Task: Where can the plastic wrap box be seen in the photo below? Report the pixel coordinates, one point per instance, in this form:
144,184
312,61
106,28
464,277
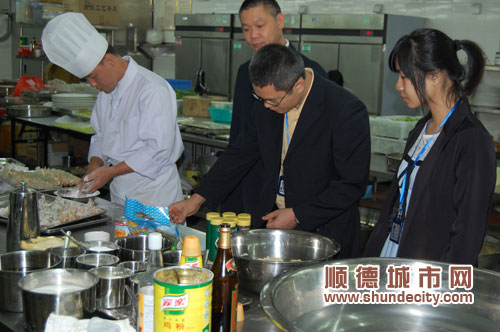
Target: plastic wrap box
393,126
386,145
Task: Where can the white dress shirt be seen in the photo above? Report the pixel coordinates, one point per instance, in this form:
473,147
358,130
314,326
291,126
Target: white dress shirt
136,123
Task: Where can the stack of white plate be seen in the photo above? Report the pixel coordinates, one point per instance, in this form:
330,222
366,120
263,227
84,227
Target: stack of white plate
74,100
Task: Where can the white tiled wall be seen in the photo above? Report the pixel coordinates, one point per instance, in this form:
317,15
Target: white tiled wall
453,17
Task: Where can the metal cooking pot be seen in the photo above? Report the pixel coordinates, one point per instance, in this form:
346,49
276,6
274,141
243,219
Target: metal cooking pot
295,301
68,255
262,254
68,292
134,248
28,111
111,286
15,265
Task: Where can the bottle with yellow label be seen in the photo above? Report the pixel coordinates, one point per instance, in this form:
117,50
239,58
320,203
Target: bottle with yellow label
225,285
191,252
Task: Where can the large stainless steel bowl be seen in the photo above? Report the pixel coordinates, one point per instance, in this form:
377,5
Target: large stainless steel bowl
295,302
15,265
262,254
68,292
134,248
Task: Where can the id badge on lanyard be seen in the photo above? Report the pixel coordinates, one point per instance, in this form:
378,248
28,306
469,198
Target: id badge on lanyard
396,229
281,186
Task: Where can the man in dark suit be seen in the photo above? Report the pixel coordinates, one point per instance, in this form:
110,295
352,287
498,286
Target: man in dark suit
314,141
262,23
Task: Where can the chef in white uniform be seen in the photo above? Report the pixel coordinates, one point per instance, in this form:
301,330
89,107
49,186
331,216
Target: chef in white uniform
137,140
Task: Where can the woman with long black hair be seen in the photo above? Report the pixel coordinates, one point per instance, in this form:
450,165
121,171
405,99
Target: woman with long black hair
438,204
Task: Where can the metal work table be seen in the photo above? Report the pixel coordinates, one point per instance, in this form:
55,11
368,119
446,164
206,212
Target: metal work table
44,125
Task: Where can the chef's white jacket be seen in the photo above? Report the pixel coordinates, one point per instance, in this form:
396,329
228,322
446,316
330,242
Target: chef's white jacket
136,123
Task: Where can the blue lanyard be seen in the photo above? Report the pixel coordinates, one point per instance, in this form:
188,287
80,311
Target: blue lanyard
403,186
287,137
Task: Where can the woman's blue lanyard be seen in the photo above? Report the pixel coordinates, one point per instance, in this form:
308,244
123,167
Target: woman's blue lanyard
403,185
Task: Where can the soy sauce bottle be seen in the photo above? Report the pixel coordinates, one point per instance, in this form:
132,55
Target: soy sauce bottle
225,285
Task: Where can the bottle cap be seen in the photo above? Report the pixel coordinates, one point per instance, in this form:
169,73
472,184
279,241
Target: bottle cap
216,221
191,246
155,241
211,215
228,214
244,219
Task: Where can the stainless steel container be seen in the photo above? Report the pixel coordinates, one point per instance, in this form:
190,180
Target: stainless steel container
15,265
134,248
102,247
135,266
262,254
171,257
29,111
111,291
24,223
90,261
68,292
68,255
295,301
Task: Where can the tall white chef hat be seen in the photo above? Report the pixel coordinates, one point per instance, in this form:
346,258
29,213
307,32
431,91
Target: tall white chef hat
71,42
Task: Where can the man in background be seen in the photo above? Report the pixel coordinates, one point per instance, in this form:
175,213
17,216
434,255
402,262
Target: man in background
262,23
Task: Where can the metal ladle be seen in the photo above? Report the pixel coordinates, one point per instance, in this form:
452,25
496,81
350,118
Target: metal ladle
75,241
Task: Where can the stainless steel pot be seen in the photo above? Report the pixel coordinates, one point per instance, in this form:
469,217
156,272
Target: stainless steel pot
15,265
90,261
68,292
295,301
29,111
68,255
135,266
111,292
262,254
134,248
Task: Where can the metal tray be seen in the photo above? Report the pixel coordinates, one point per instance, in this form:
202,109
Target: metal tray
5,161
77,223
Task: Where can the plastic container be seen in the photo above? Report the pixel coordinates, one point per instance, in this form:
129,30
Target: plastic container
392,126
387,146
180,84
221,114
222,104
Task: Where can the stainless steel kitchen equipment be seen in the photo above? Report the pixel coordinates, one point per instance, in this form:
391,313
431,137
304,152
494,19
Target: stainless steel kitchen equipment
24,223
202,51
135,266
134,248
68,292
29,111
102,247
68,255
111,286
262,254
90,261
241,52
15,265
359,45
295,302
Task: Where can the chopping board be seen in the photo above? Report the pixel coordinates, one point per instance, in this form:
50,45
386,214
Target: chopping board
197,106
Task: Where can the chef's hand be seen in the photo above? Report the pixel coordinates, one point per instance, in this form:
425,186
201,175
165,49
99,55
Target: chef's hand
282,218
95,163
180,210
98,178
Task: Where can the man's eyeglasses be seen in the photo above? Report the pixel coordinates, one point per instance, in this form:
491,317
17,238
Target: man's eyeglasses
270,102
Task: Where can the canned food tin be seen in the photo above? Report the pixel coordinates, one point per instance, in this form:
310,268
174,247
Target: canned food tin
183,299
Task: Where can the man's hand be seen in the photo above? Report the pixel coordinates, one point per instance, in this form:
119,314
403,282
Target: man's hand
98,178
180,210
282,218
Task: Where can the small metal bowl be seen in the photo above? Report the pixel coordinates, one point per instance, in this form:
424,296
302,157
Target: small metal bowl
82,198
89,261
262,254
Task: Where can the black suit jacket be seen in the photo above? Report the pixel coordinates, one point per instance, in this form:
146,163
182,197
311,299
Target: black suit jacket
449,206
325,170
244,197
